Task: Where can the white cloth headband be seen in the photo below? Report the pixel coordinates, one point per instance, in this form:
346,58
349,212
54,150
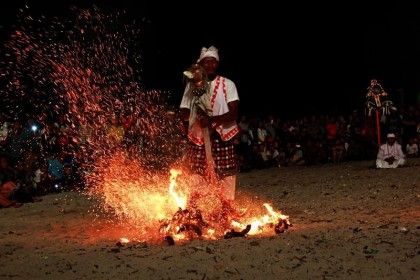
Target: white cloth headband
210,52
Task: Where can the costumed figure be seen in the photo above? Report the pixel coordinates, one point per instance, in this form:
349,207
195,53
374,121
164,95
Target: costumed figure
377,99
198,84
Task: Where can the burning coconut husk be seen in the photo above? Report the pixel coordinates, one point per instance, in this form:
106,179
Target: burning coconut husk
227,222
189,221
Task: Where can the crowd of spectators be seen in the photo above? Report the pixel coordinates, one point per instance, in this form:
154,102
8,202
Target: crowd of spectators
321,139
43,156
37,157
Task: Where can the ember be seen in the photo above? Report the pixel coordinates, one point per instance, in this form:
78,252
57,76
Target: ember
281,226
93,84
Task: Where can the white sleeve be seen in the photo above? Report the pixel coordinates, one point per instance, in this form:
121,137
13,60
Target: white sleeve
381,153
399,152
231,91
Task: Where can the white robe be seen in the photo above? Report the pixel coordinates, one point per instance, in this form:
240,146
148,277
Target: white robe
386,151
221,92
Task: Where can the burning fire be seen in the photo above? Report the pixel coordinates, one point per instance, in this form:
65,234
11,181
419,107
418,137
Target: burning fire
175,210
88,75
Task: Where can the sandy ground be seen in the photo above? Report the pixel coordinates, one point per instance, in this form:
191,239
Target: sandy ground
348,221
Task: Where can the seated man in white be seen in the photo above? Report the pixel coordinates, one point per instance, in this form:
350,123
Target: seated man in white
390,154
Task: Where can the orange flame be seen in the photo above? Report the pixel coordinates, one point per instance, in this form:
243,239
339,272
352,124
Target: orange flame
157,209
182,202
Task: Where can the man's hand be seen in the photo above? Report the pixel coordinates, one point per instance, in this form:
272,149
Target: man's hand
203,118
185,114
390,160
205,121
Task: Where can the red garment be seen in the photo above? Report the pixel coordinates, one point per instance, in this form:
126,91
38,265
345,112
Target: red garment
223,153
331,129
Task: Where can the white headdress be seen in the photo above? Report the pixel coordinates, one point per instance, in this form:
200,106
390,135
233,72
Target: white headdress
210,52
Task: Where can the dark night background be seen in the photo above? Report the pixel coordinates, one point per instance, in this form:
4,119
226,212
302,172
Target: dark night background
287,59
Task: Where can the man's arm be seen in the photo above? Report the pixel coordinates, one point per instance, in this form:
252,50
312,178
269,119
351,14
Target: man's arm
381,153
185,114
399,152
231,115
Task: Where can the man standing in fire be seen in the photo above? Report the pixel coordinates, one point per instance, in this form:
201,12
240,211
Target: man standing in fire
210,105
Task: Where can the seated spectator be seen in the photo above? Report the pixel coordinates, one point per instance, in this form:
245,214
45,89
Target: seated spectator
390,154
23,181
7,173
338,149
22,178
256,158
6,203
412,149
9,187
273,154
69,182
42,180
314,152
5,128
297,156
264,155
56,166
